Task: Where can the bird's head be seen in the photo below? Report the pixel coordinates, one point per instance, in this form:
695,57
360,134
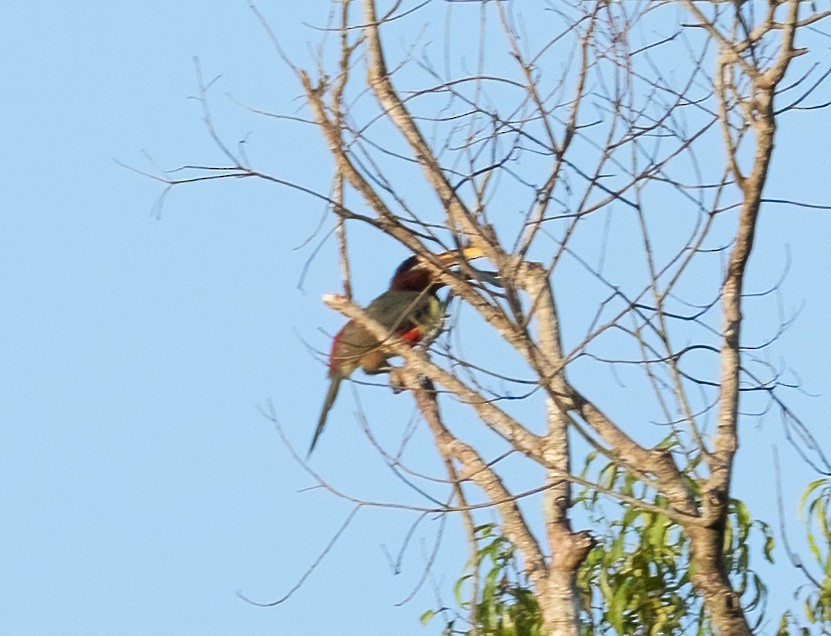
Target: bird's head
414,275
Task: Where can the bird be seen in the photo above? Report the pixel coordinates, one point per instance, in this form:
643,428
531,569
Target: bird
410,309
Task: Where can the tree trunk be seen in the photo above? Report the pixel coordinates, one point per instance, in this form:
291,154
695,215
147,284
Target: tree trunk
713,585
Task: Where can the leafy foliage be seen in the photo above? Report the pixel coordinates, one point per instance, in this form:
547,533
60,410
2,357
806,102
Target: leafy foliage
816,508
637,579
506,605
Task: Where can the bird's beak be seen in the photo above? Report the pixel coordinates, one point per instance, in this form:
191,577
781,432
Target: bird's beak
454,257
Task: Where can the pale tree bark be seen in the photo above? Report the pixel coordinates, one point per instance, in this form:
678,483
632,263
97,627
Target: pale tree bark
704,517
552,121
757,110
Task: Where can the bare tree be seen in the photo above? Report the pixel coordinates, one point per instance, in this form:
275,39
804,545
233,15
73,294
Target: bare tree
609,159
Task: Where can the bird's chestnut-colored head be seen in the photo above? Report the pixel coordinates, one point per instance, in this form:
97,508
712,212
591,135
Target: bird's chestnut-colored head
413,275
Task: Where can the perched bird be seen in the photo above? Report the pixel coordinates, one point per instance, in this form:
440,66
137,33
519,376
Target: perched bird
409,309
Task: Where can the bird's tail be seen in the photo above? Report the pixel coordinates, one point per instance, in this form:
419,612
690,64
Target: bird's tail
331,394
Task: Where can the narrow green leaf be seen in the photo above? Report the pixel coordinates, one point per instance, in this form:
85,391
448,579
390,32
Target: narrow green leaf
427,616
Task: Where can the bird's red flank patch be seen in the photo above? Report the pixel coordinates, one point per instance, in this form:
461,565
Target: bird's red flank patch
412,337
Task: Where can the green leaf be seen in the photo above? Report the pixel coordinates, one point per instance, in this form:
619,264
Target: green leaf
769,544
457,590
814,548
808,491
427,616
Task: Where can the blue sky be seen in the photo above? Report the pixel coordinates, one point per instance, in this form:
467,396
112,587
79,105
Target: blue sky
139,486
